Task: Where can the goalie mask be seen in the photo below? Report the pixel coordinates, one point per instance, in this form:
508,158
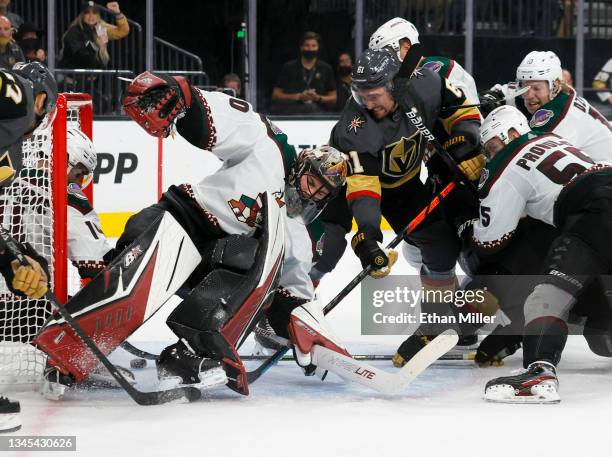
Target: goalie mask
316,177
81,151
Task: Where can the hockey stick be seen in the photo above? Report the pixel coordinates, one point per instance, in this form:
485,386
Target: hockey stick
142,398
365,357
370,357
380,380
417,121
255,374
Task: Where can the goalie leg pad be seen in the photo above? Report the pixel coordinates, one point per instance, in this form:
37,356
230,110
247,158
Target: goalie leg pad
122,297
218,314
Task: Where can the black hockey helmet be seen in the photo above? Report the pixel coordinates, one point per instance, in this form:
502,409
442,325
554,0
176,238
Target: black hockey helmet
42,80
374,68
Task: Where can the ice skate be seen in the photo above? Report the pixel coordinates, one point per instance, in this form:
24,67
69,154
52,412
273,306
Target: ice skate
266,340
537,384
9,415
179,365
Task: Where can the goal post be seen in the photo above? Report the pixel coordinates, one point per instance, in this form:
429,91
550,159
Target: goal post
34,210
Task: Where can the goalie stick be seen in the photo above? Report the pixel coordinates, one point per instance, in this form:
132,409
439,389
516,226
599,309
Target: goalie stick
380,380
128,347
142,398
273,359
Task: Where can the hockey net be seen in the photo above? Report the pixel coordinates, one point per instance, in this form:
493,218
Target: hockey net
34,210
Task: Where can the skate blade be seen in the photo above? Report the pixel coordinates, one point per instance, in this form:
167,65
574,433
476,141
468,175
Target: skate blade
9,422
208,379
541,394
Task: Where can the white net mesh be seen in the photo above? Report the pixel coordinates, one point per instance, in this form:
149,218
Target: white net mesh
27,211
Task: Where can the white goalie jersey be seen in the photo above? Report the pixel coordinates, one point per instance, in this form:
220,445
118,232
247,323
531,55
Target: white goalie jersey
256,158
525,177
86,241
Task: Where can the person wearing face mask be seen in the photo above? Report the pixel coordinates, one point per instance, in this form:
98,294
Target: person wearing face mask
28,37
305,85
10,52
344,81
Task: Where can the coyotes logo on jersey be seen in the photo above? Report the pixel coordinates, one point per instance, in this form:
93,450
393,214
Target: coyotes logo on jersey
247,210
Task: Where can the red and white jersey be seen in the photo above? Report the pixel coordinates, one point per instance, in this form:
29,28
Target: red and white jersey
525,177
573,118
253,163
256,158
86,241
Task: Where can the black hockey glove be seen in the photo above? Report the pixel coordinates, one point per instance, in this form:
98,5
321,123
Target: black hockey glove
496,347
490,99
370,252
401,89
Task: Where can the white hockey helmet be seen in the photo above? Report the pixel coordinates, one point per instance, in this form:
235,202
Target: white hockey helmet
500,121
81,150
540,66
391,32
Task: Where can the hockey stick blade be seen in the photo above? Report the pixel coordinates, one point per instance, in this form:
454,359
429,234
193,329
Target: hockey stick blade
380,380
273,359
142,398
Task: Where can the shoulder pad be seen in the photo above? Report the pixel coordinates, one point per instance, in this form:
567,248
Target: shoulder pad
356,131
15,92
438,64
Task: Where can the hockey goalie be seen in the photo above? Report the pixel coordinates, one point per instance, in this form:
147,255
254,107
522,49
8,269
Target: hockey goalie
219,244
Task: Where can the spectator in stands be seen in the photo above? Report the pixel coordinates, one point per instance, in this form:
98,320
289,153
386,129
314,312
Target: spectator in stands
10,52
232,82
603,80
305,85
15,19
29,38
344,80
84,45
566,76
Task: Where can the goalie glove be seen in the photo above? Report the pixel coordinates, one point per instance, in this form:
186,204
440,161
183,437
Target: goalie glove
156,102
307,327
30,280
371,253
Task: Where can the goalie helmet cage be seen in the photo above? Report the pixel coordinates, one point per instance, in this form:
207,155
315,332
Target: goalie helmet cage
34,210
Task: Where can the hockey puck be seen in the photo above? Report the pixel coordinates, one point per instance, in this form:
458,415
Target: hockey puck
138,363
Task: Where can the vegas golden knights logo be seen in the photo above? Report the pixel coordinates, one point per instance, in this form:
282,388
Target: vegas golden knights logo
402,157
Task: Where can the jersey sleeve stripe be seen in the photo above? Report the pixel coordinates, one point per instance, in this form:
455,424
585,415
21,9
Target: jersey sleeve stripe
363,185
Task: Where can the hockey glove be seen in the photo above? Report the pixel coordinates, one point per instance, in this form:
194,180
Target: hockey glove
155,102
370,252
30,280
308,327
469,160
401,89
495,347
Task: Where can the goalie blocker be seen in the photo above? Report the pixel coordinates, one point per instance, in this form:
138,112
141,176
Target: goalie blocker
237,277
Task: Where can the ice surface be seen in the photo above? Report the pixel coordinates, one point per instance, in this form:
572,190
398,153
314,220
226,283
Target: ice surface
287,414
